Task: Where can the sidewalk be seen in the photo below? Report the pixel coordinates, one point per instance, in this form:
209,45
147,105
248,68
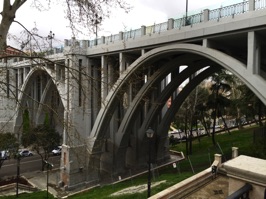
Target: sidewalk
39,180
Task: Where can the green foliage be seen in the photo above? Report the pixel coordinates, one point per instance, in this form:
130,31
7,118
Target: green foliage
42,136
26,121
26,134
35,195
9,142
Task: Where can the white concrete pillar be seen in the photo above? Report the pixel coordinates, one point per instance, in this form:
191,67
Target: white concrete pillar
57,75
96,89
253,54
218,158
24,73
89,98
206,15
143,30
170,24
84,44
121,35
205,43
251,5
66,42
234,152
104,83
19,75
103,39
110,75
122,63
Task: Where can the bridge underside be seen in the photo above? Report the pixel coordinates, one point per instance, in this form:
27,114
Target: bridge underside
138,100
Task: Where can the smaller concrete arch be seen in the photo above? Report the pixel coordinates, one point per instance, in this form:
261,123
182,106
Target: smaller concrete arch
23,94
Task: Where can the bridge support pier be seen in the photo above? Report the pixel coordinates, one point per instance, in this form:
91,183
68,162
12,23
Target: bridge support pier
75,168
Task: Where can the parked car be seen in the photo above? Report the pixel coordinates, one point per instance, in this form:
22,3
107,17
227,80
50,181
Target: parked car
25,153
57,150
4,155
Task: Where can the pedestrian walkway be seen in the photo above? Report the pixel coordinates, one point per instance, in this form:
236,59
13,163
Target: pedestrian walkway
216,189
39,179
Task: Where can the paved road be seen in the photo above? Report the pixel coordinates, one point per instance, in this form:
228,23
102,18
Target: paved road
27,164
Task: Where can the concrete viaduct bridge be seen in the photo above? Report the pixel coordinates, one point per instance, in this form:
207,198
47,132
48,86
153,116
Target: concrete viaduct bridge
106,93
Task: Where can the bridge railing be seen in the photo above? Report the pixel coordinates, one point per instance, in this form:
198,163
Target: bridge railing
203,16
260,4
228,11
132,34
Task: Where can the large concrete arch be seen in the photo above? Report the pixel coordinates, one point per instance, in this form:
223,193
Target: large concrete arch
254,82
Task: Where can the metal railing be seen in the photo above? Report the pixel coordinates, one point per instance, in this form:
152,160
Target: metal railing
228,11
242,193
215,14
260,4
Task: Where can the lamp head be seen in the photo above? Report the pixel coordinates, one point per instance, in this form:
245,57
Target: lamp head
149,132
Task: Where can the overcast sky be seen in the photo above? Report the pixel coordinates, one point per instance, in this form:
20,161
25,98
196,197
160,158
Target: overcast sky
144,12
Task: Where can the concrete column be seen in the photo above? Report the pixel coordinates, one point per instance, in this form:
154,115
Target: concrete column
218,159
110,75
234,152
122,63
253,54
206,15
143,30
19,80
104,83
103,39
66,42
24,73
96,89
121,35
84,43
89,100
170,24
57,74
251,5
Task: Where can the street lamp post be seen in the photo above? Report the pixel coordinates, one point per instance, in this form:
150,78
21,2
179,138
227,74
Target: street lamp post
51,37
96,21
18,172
149,134
186,22
49,166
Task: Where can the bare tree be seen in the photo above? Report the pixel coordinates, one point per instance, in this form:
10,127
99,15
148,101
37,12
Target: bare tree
80,13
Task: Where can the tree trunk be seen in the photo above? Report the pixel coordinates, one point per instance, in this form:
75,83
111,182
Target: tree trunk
205,125
8,16
225,125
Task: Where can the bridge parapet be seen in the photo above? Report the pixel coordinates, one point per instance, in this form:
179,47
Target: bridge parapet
201,17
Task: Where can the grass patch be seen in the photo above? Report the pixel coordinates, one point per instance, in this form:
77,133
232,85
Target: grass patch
201,158
34,195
